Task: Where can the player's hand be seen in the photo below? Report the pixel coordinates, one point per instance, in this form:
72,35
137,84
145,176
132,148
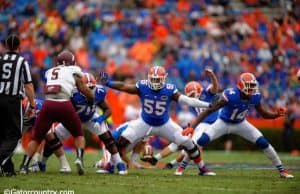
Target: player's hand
281,111
99,119
209,71
31,112
189,131
104,78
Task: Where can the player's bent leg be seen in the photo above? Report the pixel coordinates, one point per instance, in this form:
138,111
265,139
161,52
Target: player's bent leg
203,140
271,154
122,143
112,148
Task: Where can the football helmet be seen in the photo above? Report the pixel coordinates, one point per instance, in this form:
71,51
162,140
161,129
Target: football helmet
65,58
157,77
298,75
248,84
193,89
89,80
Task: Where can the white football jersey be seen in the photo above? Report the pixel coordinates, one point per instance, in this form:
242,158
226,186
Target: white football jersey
63,76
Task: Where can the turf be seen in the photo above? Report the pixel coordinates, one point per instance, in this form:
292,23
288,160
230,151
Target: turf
237,172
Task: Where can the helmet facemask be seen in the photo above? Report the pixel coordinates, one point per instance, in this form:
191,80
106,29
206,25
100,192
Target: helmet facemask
156,82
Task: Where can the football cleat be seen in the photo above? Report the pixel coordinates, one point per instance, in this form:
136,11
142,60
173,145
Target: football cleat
37,167
122,168
108,169
204,171
65,169
79,164
285,174
179,171
24,170
152,160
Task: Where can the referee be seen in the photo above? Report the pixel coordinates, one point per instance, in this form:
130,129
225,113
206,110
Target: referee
15,77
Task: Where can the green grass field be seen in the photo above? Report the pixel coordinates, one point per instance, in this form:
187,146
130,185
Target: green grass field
237,172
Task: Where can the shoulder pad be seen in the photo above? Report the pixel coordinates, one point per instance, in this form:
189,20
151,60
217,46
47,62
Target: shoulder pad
231,94
100,93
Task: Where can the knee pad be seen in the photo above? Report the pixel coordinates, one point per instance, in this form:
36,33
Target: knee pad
51,146
191,148
262,143
107,139
203,140
173,147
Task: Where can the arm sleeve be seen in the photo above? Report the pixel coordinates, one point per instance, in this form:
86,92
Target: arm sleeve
194,102
27,74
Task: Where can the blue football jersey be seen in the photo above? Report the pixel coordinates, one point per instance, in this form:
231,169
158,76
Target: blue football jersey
155,104
84,109
207,96
236,109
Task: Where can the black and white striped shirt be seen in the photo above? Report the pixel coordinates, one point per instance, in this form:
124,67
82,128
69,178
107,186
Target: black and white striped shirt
14,72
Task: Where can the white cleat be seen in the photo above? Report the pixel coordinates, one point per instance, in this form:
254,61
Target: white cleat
79,165
285,174
179,171
65,170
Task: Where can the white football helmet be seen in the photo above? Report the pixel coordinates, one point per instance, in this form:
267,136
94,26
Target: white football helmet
157,77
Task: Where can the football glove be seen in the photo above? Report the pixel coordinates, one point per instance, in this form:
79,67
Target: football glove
99,119
281,111
189,131
104,78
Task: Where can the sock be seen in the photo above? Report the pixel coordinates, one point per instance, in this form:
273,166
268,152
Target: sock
63,161
199,162
134,157
158,156
26,160
36,157
183,164
173,162
272,155
116,158
79,152
44,159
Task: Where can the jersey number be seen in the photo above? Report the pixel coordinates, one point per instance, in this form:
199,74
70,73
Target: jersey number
54,74
158,107
236,115
6,70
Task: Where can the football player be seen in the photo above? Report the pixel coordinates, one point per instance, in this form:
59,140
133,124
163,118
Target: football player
155,96
61,80
235,103
208,94
92,121
136,148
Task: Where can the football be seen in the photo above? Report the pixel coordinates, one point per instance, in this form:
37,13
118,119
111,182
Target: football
148,151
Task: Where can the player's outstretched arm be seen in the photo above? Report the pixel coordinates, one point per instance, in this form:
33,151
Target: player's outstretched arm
83,88
194,102
219,104
214,81
280,111
129,88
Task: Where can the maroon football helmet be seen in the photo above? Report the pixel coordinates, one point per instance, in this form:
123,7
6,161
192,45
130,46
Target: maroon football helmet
65,58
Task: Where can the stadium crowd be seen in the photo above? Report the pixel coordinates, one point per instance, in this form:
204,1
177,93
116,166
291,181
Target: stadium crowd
125,38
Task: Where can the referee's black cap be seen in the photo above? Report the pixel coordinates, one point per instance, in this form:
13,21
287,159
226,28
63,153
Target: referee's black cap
12,42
